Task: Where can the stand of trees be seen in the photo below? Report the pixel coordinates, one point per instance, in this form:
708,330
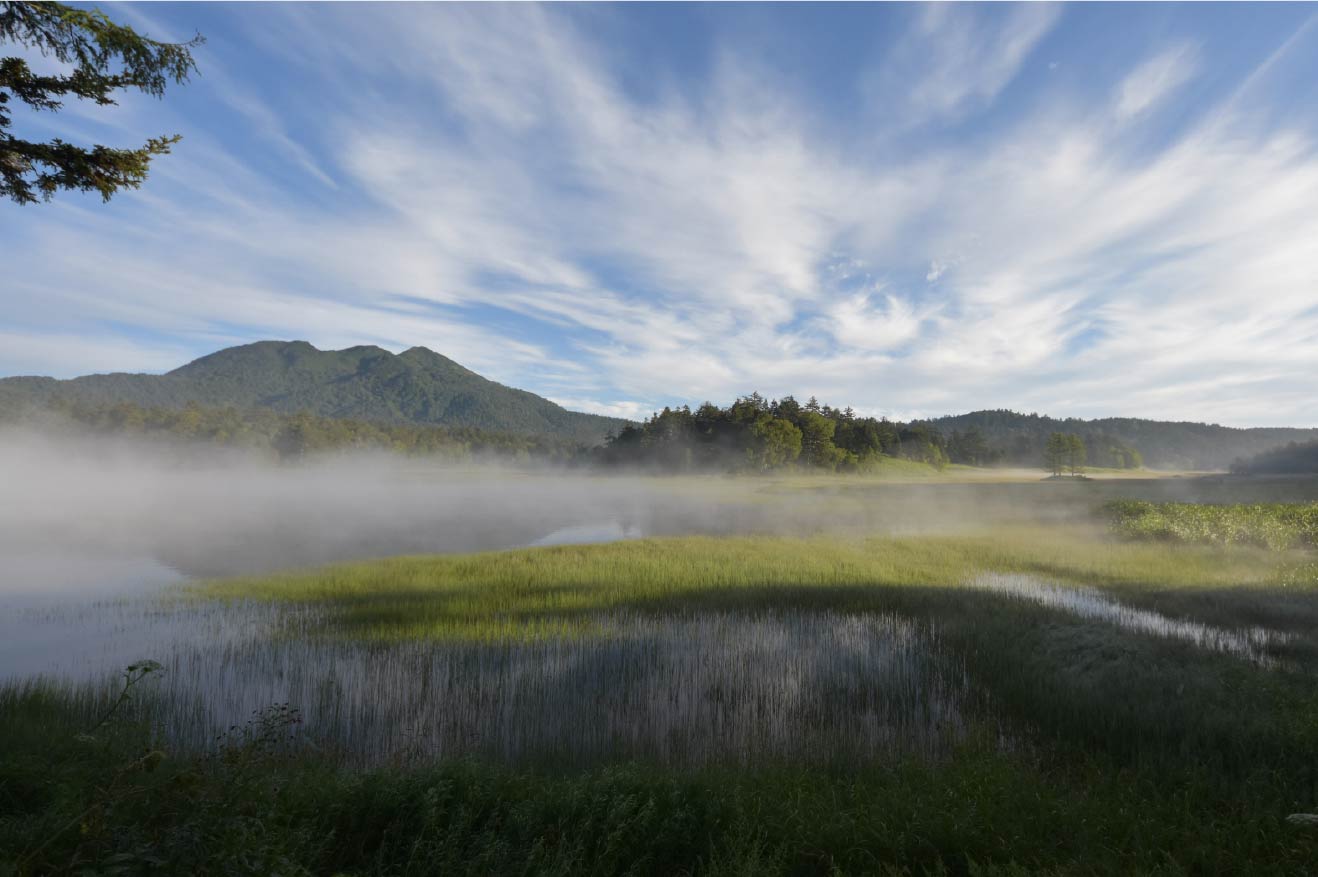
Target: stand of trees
1296,458
759,434
1065,452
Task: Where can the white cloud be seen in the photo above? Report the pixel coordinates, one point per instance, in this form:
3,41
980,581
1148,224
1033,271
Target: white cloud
857,322
1156,79
626,409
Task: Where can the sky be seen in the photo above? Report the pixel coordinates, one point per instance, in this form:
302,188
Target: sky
1080,210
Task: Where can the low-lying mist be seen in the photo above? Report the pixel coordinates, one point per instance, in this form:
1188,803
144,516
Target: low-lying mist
204,511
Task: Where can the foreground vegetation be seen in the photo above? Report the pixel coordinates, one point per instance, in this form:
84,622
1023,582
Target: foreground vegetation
260,807
1086,742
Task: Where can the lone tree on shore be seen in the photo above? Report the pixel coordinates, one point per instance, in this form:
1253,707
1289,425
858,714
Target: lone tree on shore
105,57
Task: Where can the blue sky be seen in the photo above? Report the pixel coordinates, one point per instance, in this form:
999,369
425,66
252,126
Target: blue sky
1082,210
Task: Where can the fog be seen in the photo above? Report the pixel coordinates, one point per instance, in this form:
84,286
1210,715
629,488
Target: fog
205,513
110,514
90,529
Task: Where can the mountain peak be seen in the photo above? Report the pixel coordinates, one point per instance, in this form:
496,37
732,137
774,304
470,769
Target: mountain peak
427,358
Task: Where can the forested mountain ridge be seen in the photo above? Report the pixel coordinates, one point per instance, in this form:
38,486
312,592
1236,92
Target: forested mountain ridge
1020,438
366,383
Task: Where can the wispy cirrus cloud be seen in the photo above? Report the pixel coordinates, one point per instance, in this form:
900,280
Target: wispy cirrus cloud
956,59
1156,79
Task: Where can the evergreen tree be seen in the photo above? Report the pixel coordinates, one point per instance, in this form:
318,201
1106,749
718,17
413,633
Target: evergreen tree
1055,453
106,58
1075,454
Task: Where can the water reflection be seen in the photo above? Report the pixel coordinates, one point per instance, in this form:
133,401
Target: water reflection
1251,643
77,615
583,534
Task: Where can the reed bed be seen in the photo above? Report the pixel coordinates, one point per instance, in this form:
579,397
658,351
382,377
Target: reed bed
708,689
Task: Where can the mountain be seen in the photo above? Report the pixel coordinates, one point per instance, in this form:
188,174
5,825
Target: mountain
1163,444
366,383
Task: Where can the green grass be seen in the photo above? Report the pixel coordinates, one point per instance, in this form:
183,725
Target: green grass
259,807
1091,748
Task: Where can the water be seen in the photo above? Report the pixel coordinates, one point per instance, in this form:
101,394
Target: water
1250,643
681,690
80,614
75,615
583,534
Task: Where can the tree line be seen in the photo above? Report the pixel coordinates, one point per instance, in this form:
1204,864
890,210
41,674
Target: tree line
290,436
1294,458
753,434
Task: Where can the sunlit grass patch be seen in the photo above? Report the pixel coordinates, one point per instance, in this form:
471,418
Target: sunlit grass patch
1278,526
532,593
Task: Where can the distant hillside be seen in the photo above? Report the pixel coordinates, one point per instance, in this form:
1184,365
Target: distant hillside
1291,459
365,383
1163,444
